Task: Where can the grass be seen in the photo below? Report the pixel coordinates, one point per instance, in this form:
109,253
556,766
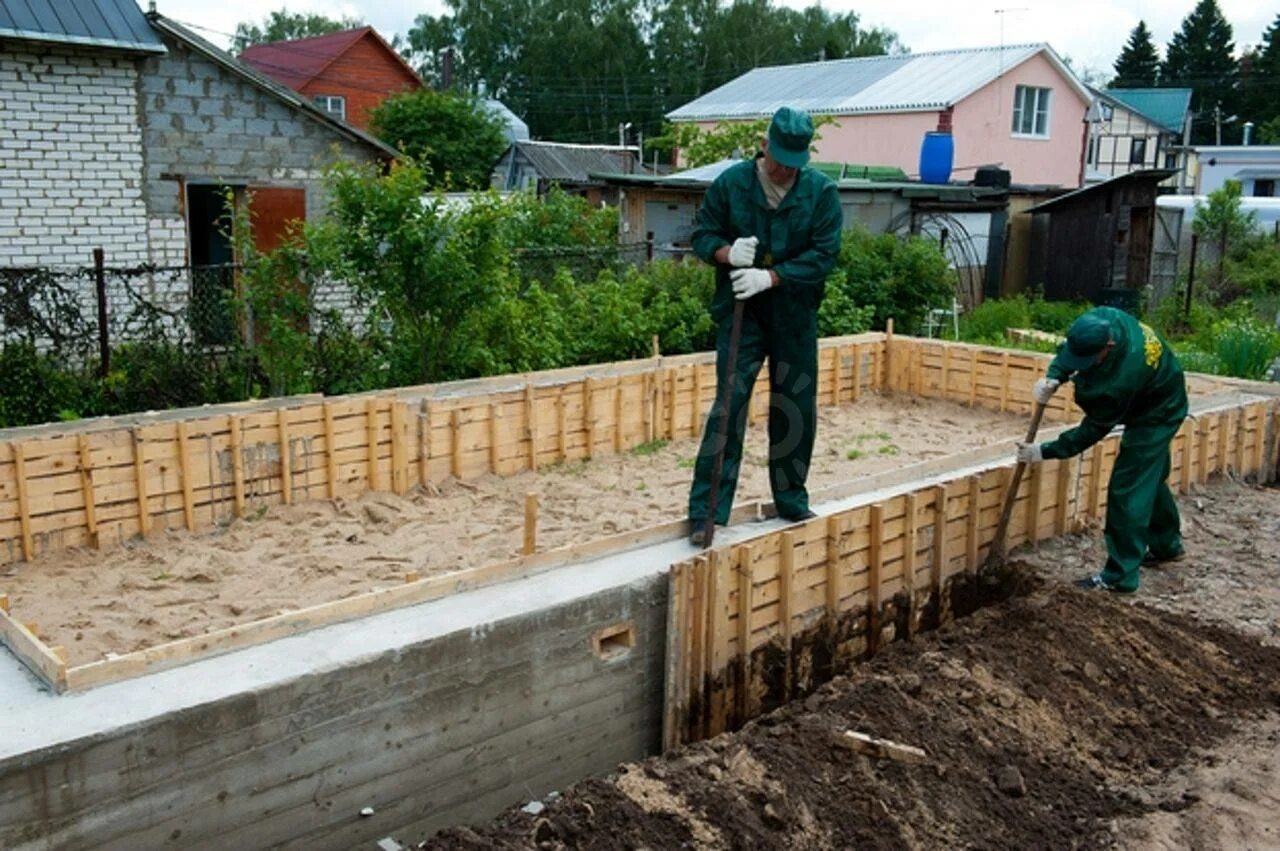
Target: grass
651,447
890,449
854,454
687,463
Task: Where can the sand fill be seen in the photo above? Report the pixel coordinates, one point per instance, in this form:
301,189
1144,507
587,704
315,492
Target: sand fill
281,558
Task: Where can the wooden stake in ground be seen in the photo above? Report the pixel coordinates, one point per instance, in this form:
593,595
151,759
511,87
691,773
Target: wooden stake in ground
995,556
530,523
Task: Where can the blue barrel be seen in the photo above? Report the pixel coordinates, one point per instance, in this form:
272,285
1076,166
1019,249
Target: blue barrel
937,154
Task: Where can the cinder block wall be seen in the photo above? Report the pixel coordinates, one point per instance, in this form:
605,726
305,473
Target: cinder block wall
70,157
438,733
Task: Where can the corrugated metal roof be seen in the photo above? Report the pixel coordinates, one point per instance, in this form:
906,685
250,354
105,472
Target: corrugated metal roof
1166,107
922,81
295,62
576,163
117,24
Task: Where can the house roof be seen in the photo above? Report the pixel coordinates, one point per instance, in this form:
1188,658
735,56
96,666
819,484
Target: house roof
514,127
1149,175
298,61
117,24
1165,107
290,98
906,83
576,163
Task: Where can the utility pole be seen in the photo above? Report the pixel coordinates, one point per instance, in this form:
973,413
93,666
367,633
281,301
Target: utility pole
1217,123
446,68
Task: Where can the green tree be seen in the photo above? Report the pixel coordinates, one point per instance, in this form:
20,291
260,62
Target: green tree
1222,222
283,25
1260,83
1138,65
454,136
1201,57
698,147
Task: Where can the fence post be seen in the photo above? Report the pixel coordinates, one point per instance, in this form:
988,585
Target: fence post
1191,276
100,290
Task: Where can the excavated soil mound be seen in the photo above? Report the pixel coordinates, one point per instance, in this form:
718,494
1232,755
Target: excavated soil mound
1047,720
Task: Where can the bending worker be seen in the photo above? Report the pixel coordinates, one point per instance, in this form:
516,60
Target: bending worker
772,228
1124,374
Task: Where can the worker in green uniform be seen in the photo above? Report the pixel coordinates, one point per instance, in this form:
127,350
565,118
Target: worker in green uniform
772,228
1124,374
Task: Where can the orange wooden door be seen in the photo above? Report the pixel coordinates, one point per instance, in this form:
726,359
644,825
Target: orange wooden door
274,211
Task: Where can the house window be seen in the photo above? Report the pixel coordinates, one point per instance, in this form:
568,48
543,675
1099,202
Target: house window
1137,151
1264,188
1031,112
335,105
1171,160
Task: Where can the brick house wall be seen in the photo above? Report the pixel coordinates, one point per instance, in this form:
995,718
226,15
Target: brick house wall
365,75
70,157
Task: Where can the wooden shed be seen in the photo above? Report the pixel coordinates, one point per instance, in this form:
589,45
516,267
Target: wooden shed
1095,243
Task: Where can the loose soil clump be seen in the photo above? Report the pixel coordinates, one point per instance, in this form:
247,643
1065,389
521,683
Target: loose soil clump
1047,720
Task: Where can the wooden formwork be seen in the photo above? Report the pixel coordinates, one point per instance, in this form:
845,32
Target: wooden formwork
100,482
753,624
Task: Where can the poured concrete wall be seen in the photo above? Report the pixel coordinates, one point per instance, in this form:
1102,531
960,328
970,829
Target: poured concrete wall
446,729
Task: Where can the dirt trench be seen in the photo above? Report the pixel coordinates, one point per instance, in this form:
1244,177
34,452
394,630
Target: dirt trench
1058,719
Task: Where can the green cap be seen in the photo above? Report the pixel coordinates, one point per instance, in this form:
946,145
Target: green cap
790,133
1086,338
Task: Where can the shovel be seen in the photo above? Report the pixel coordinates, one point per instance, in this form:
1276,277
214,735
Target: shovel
996,555
722,429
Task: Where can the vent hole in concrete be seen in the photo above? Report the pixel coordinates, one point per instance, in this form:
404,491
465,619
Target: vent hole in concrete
614,641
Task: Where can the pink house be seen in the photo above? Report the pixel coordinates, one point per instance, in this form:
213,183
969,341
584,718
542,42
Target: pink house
1017,106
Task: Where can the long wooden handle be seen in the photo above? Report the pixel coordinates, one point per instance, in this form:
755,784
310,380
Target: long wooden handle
722,432
1002,528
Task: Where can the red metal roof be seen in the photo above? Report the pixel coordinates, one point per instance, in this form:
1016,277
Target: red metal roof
296,62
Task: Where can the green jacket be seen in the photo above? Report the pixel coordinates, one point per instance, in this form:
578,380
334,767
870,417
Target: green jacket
800,240
1140,386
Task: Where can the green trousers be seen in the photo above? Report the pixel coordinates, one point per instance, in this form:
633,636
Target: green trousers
1142,514
786,333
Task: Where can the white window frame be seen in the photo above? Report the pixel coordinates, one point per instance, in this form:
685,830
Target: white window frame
329,102
1040,102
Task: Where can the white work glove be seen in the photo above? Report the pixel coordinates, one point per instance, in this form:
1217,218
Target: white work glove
1030,453
749,282
743,252
1044,390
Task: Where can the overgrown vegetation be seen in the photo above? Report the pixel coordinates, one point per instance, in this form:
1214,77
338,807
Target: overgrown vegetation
444,291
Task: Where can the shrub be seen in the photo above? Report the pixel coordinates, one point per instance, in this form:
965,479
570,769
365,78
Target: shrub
988,322
34,388
896,278
1246,347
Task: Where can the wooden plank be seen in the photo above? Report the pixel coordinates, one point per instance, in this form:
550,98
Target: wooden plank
620,417
786,611
26,646
237,464
424,443
698,646
857,371
695,414
875,564
673,382
835,375
140,482
939,561
877,748
562,433
1061,514
1033,504
589,415
745,566
399,449
530,523
946,372
1095,480
675,652
531,424
18,452
973,377
371,425
330,453
1205,427
86,489
1189,435
888,355
971,523
184,472
286,462
833,568
910,544
1224,426
495,413
1004,382
455,444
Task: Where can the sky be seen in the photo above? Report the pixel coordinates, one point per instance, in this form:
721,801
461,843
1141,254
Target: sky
1090,32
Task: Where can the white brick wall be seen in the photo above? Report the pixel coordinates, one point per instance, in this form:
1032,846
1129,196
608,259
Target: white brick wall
70,158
